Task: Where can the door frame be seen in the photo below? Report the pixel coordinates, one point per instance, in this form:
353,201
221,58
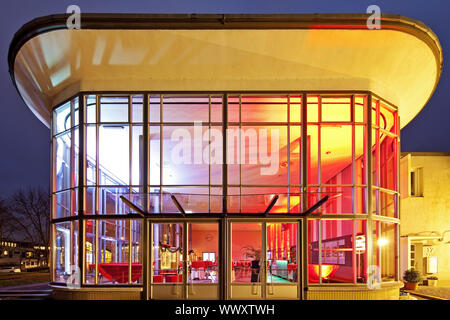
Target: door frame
264,284
224,251
148,252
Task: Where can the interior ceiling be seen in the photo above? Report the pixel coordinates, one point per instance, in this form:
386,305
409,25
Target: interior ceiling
396,65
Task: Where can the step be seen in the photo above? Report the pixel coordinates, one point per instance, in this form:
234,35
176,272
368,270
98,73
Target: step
25,291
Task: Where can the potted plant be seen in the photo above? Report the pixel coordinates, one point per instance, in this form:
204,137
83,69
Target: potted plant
412,277
432,281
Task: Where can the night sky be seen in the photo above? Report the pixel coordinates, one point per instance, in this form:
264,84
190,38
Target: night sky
24,140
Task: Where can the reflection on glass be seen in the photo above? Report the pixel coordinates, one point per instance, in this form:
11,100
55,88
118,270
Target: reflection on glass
62,169
62,118
66,248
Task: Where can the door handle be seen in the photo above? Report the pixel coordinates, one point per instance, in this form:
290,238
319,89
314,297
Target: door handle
254,289
270,289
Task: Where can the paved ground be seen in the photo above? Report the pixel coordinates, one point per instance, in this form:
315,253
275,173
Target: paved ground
25,287
440,292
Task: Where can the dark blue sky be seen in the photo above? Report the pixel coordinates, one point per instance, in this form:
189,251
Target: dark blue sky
24,140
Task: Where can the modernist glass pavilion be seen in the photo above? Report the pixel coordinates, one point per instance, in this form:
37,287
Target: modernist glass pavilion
174,177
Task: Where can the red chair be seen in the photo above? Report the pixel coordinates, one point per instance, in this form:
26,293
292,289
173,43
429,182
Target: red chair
158,278
171,278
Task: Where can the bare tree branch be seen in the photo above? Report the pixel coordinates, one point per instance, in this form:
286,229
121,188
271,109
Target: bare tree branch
28,212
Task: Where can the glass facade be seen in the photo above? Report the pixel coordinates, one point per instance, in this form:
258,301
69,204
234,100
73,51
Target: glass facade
225,153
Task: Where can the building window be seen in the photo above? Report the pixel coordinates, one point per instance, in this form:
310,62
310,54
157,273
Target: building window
417,182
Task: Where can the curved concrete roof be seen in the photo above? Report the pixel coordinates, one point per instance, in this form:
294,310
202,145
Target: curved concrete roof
401,62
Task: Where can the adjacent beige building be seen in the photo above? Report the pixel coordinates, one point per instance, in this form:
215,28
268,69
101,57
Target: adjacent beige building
425,214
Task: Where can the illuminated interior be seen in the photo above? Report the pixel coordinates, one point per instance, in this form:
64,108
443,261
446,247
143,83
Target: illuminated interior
336,152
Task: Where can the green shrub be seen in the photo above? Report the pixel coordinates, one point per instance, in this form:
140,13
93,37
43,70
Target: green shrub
412,275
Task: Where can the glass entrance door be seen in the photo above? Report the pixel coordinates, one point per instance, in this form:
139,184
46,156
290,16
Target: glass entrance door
264,260
185,261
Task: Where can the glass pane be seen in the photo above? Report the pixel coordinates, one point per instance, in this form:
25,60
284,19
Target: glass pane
281,252
62,118
258,199
388,204
89,201
62,155
264,108
388,162
361,250
136,253
154,155
312,108
336,154
295,113
216,108
114,157
245,252
360,200
154,108
360,154
361,109
337,251
387,245
376,121
203,253
62,204
137,155
90,252
91,112
185,108
63,252
113,109
295,156
233,108
167,253
388,118
191,199
137,108
75,159
262,150
313,251
183,156
76,112
113,251
110,202
312,154
336,108
340,200
233,155
91,154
